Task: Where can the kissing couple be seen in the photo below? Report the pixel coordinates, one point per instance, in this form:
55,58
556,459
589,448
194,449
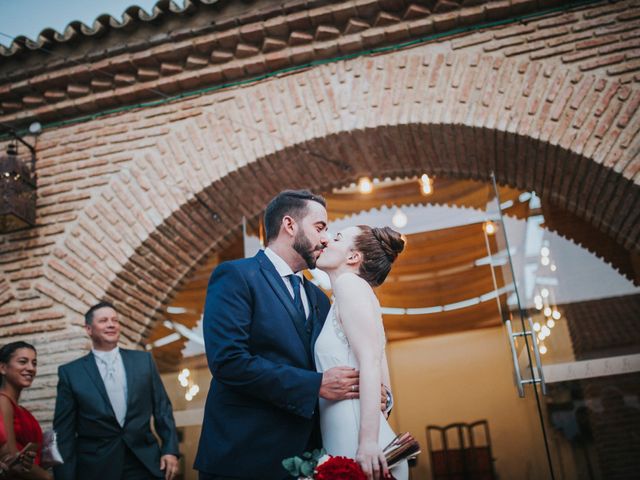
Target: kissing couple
291,371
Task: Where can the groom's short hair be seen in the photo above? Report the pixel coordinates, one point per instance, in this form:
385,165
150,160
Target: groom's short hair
288,202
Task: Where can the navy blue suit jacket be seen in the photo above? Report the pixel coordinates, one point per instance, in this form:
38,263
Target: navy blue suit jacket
262,403
91,440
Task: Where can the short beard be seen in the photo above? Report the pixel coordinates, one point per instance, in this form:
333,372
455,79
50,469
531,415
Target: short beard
305,249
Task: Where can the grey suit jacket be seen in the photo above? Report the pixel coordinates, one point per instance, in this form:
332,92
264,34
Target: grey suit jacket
91,440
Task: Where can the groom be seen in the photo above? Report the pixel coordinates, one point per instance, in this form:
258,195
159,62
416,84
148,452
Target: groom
261,319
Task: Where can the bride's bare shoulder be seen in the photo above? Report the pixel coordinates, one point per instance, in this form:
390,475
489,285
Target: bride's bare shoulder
350,289
351,281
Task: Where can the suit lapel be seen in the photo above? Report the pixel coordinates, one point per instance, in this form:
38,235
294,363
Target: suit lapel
94,374
129,366
277,285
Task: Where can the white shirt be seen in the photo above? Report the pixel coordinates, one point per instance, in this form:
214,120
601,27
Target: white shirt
105,361
284,270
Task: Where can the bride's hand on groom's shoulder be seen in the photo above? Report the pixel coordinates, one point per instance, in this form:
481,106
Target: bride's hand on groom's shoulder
372,461
340,383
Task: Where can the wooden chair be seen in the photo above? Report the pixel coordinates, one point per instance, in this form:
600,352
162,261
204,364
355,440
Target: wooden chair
462,453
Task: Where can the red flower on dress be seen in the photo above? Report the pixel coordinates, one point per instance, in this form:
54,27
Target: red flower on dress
339,468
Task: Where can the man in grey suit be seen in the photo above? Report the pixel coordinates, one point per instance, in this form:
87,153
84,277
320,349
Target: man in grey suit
103,409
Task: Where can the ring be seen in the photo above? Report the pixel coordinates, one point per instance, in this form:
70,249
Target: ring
353,388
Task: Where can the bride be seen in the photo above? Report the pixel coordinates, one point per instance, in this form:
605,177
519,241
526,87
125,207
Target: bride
356,260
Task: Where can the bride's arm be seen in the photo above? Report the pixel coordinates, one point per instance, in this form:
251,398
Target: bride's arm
361,324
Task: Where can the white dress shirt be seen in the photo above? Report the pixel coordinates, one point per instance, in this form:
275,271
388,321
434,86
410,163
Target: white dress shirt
111,368
284,270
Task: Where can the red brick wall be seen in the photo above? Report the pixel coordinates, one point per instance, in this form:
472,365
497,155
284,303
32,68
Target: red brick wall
129,204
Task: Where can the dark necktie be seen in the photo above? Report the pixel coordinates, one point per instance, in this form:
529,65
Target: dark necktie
297,298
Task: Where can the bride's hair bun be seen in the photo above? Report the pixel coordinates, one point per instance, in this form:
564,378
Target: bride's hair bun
390,241
379,248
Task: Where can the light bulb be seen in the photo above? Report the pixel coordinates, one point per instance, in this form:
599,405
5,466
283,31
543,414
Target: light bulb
546,331
365,185
425,184
553,267
543,349
399,219
551,323
35,128
547,311
536,327
544,251
489,227
544,261
544,292
556,315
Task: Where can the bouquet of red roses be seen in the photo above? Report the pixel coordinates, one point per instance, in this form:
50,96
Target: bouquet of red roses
317,465
339,468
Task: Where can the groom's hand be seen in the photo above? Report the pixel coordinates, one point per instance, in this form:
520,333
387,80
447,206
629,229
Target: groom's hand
340,383
384,400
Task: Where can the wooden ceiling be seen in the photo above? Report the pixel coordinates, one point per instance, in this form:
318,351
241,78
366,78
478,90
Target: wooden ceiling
437,268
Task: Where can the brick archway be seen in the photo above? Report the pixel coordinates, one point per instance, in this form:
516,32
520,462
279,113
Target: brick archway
569,137
171,205
204,162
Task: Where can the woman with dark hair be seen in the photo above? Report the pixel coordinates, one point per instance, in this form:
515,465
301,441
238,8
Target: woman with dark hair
357,260
18,367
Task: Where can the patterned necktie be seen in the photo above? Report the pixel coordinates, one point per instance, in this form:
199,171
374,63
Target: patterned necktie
114,384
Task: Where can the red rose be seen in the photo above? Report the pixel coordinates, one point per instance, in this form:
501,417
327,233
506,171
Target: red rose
339,468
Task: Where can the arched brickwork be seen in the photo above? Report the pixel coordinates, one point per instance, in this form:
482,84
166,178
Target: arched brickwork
149,226
129,205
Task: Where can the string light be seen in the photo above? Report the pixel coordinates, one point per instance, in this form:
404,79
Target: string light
187,382
183,376
543,349
556,315
551,323
537,300
547,311
544,292
553,267
192,392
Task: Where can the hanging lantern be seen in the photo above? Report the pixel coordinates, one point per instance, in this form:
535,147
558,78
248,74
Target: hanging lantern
17,192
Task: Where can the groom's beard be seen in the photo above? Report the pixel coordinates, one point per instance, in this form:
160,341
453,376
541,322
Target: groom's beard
305,249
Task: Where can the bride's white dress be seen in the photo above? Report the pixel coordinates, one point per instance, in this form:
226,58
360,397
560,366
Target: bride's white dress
340,421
